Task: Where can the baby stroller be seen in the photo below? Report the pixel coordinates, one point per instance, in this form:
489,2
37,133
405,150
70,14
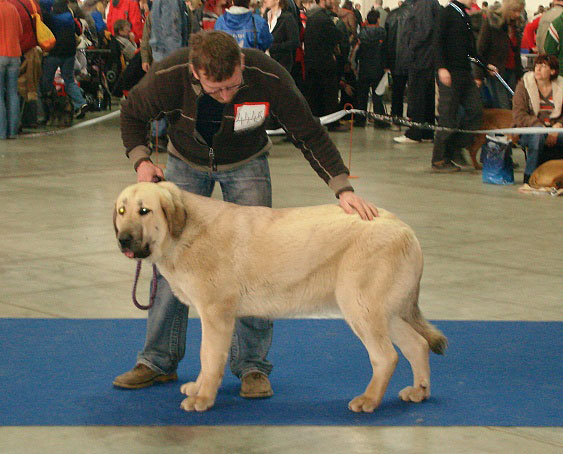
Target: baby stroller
95,84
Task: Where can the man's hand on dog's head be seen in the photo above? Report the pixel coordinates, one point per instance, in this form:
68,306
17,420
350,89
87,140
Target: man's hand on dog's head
147,171
352,203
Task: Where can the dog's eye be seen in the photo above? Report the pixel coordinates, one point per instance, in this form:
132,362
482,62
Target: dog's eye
121,210
143,211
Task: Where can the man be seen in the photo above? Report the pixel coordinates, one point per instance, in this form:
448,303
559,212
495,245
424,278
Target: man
217,97
370,58
250,30
321,68
421,24
552,42
454,43
378,6
168,29
397,55
546,19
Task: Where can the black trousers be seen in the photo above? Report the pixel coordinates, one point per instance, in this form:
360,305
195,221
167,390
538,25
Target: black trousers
462,93
398,85
421,102
322,91
362,95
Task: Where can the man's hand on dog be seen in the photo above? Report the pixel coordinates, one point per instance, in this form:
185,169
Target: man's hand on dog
147,171
352,203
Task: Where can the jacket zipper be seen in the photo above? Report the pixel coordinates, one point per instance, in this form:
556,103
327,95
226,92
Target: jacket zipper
212,163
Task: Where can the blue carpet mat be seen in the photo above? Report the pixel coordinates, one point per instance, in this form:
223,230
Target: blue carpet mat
59,372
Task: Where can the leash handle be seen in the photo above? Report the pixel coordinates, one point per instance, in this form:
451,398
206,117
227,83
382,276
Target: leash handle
153,287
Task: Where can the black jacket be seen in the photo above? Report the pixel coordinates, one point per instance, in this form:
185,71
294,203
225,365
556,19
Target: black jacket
371,52
321,39
397,50
421,25
454,39
286,40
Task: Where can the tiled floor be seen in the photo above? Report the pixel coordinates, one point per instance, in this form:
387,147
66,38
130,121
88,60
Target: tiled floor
490,254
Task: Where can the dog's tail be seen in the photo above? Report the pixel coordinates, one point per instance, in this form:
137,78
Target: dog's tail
436,340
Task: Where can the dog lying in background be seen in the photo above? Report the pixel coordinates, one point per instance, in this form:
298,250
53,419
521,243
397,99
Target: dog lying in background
548,175
230,261
492,119
60,110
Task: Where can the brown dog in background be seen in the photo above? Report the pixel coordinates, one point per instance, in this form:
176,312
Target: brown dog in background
492,119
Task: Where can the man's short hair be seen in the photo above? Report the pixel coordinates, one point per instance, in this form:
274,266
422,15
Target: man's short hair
373,16
243,3
120,24
215,53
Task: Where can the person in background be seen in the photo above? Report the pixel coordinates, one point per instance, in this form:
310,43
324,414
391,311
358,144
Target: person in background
285,31
212,9
371,60
63,25
249,29
499,45
546,19
128,10
378,6
528,44
552,43
398,56
538,101
454,43
124,40
420,28
11,35
321,68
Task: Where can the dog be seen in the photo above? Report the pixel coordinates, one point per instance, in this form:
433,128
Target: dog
492,119
548,175
60,110
228,261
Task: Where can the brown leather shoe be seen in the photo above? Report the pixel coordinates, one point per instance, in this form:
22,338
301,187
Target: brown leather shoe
255,385
142,376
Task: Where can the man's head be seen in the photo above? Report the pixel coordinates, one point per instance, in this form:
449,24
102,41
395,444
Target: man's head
122,28
243,3
373,17
378,3
217,62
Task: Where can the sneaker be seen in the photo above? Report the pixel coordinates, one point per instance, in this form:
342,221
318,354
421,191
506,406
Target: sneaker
255,385
142,376
81,111
404,139
444,167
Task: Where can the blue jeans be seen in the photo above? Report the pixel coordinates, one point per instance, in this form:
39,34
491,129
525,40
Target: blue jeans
537,152
50,65
9,97
168,319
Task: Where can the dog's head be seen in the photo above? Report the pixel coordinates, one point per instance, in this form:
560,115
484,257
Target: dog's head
146,216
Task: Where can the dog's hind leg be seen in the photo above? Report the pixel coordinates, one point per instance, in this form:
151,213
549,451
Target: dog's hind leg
217,329
415,348
372,330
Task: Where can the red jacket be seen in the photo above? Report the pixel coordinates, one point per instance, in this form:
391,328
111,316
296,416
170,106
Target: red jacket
128,10
28,40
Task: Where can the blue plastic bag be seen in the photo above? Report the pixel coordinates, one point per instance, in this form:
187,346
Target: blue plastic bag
496,156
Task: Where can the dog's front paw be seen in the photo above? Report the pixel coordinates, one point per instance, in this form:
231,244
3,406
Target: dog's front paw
412,394
189,389
197,403
363,404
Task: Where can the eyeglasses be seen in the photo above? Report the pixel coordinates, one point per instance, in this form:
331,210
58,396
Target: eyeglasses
219,90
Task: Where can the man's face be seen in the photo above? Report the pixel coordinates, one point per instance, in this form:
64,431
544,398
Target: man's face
223,91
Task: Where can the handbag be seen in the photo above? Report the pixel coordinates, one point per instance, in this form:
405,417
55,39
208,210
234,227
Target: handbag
496,155
45,38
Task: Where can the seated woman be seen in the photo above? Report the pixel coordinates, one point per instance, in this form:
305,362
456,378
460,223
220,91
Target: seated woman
538,101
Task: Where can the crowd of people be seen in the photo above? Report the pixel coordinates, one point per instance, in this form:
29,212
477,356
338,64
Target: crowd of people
334,55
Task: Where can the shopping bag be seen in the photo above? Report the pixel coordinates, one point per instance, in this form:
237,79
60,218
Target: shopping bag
496,156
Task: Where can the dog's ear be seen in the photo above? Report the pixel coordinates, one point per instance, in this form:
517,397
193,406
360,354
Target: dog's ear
173,209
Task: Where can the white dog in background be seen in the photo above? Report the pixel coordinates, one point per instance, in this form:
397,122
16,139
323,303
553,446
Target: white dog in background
229,261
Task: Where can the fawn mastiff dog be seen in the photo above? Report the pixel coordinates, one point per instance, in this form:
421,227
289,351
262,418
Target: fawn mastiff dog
228,261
